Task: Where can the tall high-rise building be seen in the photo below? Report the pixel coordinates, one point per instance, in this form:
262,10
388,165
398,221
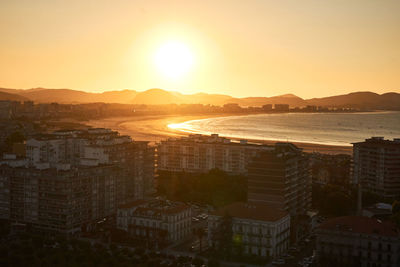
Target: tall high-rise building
377,166
281,178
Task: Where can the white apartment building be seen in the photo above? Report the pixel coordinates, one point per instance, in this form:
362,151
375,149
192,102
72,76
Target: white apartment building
358,241
155,221
199,153
257,227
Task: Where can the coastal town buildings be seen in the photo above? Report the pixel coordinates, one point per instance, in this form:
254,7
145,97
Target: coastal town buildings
357,241
254,228
155,221
71,179
377,166
281,107
65,201
200,154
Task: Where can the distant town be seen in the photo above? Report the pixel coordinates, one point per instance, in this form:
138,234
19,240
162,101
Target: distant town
74,195
36,111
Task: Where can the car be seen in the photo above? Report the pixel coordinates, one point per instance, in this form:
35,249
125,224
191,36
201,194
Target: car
308,260
288,256
278,262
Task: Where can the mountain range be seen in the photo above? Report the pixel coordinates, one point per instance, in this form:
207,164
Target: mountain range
369,100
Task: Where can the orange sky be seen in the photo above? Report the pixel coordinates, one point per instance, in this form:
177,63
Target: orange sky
242,48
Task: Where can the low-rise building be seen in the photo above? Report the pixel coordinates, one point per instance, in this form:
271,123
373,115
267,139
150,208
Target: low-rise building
155,221
378,211
358,241
254,228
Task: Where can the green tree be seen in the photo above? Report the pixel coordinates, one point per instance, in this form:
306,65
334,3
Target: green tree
396,207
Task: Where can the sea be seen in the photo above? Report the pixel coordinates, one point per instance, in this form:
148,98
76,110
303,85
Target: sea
340,129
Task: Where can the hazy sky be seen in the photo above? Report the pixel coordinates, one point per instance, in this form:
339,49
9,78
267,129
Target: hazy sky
238,47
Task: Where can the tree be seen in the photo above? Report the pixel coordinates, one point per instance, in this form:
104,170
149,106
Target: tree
200,232
15,137
337,204
223,236
396,207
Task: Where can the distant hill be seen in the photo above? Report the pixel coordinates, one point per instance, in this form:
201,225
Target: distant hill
292,100
12,97
67,96
367,100
156,96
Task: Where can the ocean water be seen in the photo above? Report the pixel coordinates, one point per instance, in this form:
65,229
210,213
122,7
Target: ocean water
318,128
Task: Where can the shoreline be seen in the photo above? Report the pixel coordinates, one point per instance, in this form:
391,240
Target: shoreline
154,128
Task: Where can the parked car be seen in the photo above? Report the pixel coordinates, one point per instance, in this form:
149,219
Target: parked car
278,262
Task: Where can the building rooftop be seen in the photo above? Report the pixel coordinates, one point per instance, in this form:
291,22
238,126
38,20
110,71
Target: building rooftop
251,210
133,204
149,206
212,139
361,225
379,141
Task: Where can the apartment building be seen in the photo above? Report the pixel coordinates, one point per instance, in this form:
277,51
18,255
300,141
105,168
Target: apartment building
281,178
255,228
155,221
199,153
93,147
377,166
60,200
78,177
358,241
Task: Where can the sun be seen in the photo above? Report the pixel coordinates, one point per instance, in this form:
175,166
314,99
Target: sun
173,59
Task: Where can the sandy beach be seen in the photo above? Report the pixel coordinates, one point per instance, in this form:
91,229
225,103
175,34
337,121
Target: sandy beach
155,128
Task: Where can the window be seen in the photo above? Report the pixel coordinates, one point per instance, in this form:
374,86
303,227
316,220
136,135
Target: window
389,247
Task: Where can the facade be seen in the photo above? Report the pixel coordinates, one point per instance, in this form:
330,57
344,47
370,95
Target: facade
63,201
198,153
94,147
155,221
5,109
358,241
75,177
377,166
255,228
281,107
281,178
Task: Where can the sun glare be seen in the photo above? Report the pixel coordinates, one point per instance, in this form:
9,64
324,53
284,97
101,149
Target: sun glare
173,59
